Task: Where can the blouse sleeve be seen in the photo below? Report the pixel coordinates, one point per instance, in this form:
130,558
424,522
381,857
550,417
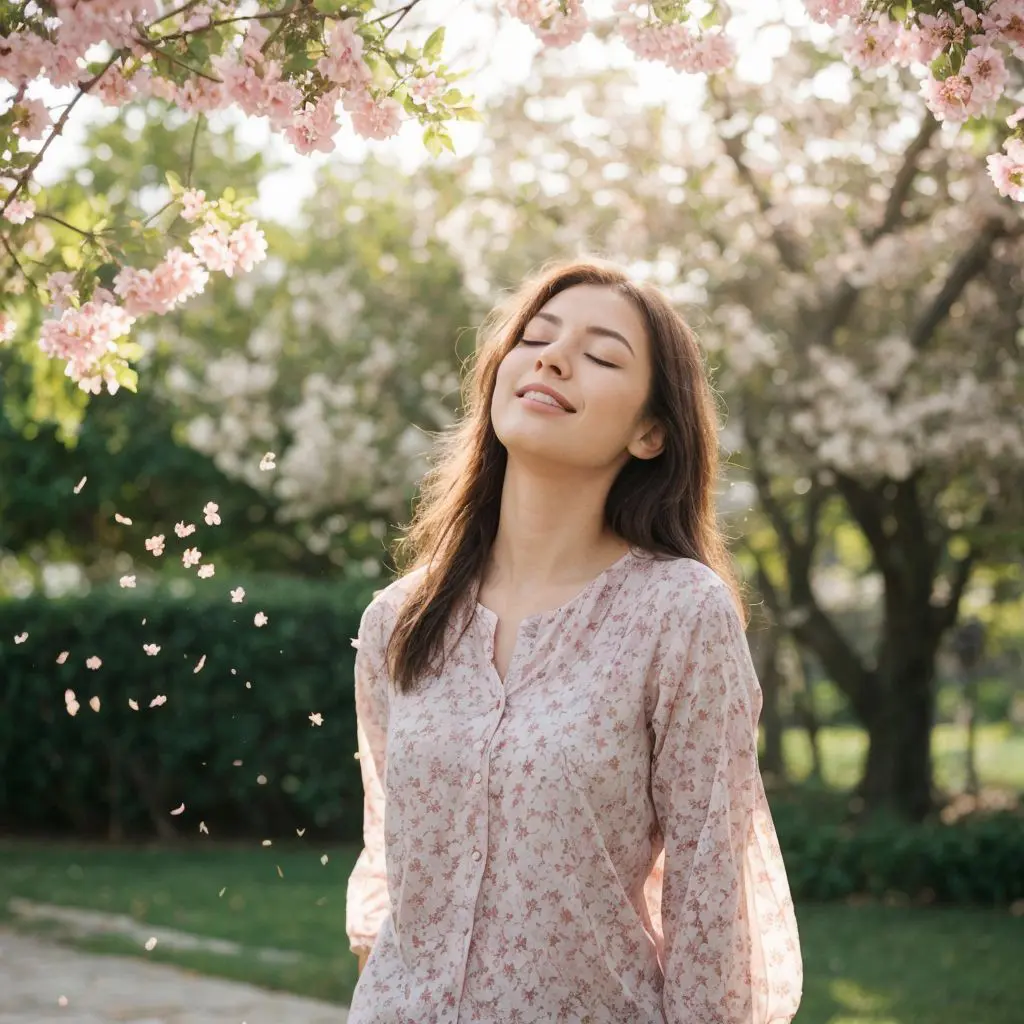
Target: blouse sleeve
731,949
367,901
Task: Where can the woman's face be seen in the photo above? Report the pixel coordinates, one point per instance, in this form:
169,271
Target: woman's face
573,390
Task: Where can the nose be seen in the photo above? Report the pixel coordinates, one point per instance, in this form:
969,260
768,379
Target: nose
555,358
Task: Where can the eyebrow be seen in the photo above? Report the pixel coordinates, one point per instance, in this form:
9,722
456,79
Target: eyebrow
605,332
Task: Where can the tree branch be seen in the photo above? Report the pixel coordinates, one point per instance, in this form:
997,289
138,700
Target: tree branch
904,180
971,263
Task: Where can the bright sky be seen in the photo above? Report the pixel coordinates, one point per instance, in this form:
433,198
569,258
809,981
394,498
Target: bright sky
509,48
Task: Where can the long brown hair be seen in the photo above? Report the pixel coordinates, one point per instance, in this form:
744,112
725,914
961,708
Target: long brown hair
664,505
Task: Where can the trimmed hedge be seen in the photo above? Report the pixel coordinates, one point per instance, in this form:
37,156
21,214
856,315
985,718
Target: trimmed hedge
120,772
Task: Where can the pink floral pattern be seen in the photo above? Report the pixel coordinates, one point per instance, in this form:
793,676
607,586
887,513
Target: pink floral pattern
588,843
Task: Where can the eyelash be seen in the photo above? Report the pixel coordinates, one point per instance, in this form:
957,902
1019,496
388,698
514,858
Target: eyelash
600,362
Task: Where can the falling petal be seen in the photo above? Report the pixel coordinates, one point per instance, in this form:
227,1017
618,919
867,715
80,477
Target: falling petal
150,943
62,657
94,703
238,595
123,520
267,462
300,832
199,666
261,779
203,828
151,649
180,809
260,619
21,638
63,1000
157,701
280,873
93,662
224,890
267,842
323,860
127,581
237,764
80,485
133,704
316,718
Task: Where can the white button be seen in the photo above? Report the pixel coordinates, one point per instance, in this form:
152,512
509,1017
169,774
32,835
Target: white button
476,855
477,777
479,745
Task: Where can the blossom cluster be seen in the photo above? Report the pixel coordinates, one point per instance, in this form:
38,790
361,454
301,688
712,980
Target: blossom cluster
980,36
298,68
86,334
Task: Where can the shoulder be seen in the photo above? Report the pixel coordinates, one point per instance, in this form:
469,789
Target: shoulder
682,589
378,619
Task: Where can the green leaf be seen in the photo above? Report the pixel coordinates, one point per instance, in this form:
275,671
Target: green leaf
434,45
175,183
127,378
432,142
328,7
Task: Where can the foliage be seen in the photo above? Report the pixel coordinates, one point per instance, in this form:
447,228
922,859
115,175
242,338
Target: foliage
122,771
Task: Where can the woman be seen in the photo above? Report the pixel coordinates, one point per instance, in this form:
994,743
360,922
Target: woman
557,712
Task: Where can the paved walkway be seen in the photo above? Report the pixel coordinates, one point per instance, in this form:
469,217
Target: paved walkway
43,983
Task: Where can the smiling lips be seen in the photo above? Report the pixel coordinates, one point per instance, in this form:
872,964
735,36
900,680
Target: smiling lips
541,394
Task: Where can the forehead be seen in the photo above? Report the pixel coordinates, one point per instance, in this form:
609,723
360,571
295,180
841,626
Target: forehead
586,305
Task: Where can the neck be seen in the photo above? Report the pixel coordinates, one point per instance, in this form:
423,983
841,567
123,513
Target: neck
551,528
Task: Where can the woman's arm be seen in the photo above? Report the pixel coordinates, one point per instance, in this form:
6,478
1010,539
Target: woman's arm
367,902
732,953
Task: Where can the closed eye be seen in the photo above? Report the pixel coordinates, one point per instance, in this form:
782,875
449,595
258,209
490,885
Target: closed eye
600,362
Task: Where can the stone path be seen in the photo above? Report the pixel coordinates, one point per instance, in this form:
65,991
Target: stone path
43,983
76,922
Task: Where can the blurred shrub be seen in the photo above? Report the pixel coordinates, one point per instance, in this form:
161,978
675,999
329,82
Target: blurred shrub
976,860
120,772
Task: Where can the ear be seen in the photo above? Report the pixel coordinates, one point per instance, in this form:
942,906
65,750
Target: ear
649,441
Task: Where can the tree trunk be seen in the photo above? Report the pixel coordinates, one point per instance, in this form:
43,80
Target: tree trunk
772,761
898,767
807,713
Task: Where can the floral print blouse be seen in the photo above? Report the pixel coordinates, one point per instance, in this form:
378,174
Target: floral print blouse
587,843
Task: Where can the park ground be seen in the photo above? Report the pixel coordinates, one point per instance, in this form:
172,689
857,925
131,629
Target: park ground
281,910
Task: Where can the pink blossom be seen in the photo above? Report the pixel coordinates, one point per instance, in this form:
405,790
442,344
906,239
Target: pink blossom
314,127
831,12
1007,170
375,120
949,99
985,68
32,123
192,204
872,44
84,337
1005,19
179,276
248,245
190,557
7,327
155,544
212,246
255,36
113,88
1016,117
20,210
343,63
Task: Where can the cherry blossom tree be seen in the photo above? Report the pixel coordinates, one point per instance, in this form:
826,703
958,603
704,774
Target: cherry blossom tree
75,289
859,288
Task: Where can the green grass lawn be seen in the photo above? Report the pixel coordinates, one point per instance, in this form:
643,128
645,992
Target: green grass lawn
1000,756
864,964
